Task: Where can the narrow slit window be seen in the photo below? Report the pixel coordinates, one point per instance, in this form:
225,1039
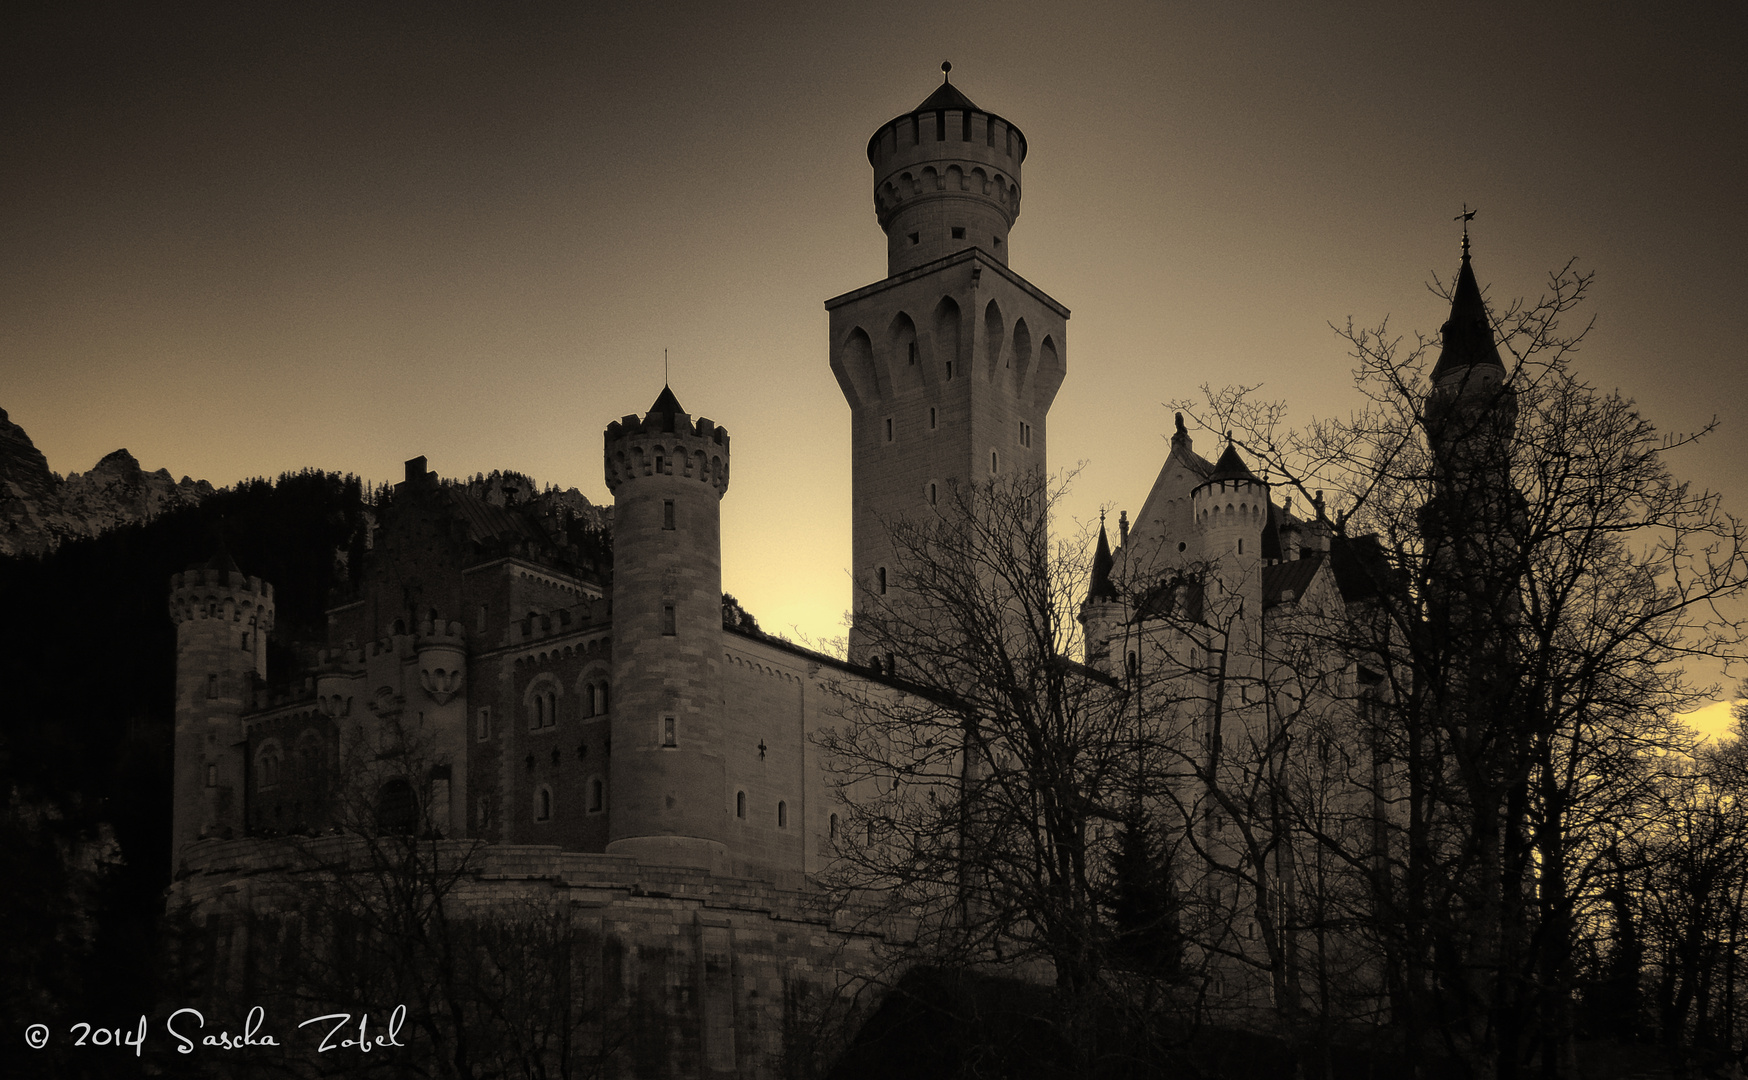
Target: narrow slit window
933,494
670,732
832,828
915,239
667,513
668,629
740,805
949,369
484,731
889,429
994,462
782,814
931,418
880,580
212,686
597,795
912,352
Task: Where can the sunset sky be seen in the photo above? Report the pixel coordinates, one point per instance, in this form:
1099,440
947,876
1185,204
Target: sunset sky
242,239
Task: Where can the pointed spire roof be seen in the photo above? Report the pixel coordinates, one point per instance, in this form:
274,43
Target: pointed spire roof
1101,587
946,96
1468,333
666,402
1231,466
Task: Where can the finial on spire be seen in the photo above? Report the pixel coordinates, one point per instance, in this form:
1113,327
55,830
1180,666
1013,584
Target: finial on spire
1465,217
946,71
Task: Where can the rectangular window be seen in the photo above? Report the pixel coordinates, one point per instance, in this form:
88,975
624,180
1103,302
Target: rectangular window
667,513
212,776
483,730
480,620
958,232
668,620
949,369
965,126
915,239
670,731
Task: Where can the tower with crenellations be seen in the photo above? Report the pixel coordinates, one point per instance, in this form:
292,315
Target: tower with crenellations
668,473
950,363
222,620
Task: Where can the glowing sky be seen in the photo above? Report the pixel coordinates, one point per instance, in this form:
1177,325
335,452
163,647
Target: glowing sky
240,243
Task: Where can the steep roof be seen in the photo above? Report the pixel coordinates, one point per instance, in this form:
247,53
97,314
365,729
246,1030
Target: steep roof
1293,577
486,522
1231,466
666,402
1101,587
946,96
1468,333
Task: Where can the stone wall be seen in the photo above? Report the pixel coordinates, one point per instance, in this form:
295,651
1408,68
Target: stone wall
690,973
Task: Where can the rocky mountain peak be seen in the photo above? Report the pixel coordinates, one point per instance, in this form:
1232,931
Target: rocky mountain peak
38,510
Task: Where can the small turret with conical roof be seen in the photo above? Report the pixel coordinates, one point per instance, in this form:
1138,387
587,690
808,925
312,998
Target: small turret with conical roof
1230,508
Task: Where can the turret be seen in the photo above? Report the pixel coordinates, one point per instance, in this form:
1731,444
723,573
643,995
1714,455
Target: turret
946,178
222,620
1230,508
669,786
1101,614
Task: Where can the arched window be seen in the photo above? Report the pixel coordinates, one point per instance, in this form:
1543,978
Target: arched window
740,804
588,700
601,705
539,710
597,795
397,808
543,803
782,814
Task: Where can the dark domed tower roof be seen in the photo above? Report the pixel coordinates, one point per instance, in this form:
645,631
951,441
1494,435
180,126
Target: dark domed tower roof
1468,333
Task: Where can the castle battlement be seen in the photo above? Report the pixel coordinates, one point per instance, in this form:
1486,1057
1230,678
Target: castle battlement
209,593
668,444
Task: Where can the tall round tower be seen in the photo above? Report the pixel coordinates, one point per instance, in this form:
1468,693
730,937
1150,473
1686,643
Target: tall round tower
669,786
946,178
222,621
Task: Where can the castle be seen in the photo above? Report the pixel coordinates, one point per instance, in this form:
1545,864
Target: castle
610,731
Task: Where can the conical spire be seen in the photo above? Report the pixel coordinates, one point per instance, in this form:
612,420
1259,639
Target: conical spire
1468,334
1231,465
666,402
1101,588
